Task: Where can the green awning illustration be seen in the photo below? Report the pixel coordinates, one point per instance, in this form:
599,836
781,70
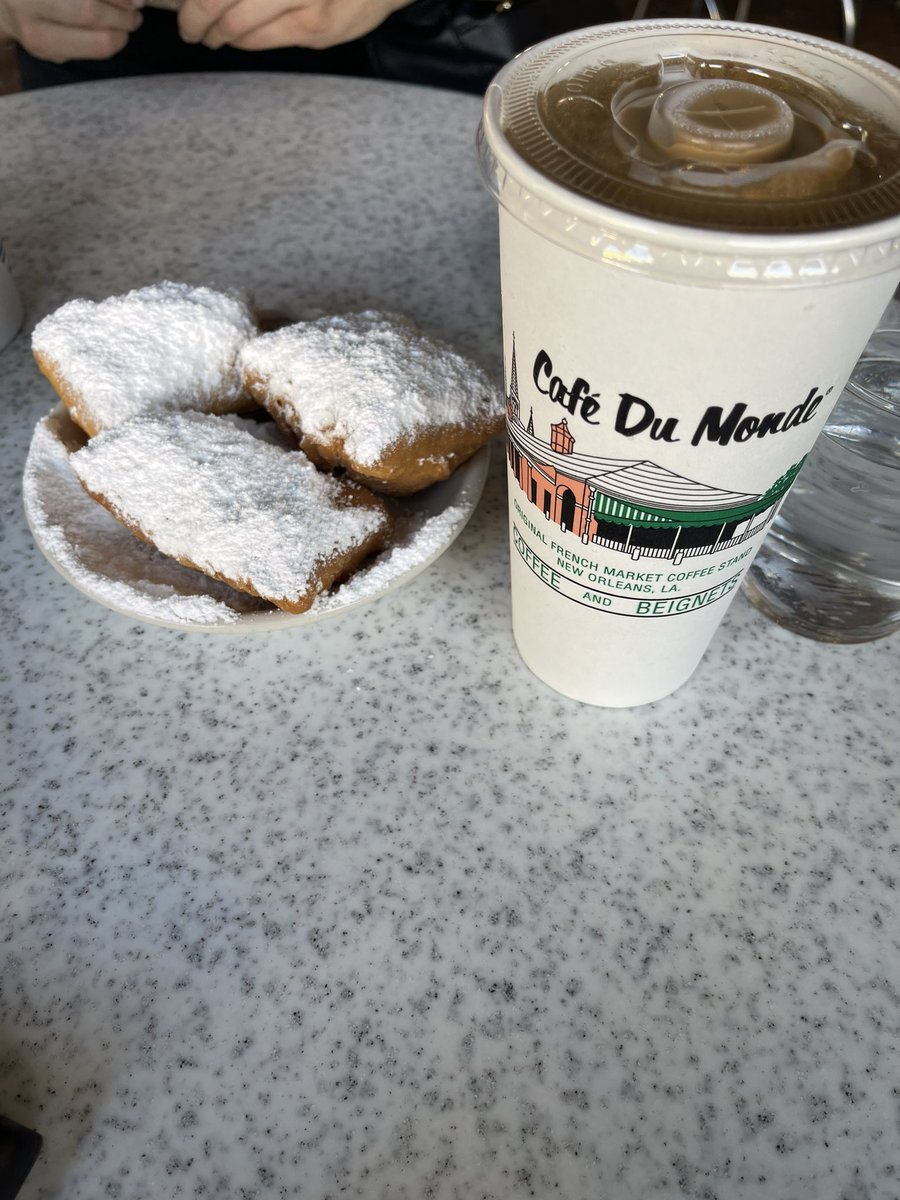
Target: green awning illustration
645,494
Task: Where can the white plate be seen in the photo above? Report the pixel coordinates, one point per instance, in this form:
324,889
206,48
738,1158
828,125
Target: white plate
97,555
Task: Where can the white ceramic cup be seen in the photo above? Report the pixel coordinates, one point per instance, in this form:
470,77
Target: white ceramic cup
665,381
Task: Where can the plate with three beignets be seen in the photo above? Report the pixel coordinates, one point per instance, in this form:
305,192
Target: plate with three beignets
164,507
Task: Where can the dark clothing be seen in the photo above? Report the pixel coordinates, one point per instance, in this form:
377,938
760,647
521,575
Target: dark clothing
456,44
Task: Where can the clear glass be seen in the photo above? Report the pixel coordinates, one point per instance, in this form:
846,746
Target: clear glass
830,566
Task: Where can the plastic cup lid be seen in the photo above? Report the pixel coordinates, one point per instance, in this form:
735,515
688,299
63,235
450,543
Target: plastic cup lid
711,124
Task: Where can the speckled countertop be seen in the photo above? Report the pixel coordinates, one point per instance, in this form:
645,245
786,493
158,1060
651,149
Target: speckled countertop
362,910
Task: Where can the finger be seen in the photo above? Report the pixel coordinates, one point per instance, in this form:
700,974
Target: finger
305,27
125,5
243,18
197,17
59,43
89,14
318,24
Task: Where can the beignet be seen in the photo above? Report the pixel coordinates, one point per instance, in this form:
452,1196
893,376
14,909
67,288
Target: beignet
167,347
215,497
372,394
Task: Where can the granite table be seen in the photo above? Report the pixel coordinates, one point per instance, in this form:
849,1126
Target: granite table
362,909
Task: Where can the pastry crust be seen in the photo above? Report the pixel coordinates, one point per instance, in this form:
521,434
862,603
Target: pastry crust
403,468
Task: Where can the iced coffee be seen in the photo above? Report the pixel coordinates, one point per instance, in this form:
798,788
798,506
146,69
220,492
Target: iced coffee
716,143
699,228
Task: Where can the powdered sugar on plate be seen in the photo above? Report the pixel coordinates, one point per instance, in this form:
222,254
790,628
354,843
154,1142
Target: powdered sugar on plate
422,540
99,556
370,380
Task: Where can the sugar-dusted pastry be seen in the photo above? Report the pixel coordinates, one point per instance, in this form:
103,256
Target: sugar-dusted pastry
163,348
210,494
371,393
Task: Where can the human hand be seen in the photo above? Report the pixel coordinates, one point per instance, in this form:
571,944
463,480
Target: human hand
57,30
268,24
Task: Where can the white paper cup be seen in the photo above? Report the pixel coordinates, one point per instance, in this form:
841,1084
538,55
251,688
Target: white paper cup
664,382
10,304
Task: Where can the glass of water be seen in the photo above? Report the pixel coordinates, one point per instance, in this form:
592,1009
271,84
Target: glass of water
830,566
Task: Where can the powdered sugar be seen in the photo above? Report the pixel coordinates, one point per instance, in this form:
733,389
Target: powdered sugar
240,508
160,348
371,380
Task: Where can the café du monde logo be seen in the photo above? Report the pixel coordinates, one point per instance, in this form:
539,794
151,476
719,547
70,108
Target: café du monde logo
634,506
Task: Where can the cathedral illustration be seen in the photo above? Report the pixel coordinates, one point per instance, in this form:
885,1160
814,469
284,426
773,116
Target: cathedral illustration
631,505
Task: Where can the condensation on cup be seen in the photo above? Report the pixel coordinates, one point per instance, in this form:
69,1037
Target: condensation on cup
699,229
10,305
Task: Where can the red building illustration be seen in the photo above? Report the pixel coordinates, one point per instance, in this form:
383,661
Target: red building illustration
631,505
561,439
